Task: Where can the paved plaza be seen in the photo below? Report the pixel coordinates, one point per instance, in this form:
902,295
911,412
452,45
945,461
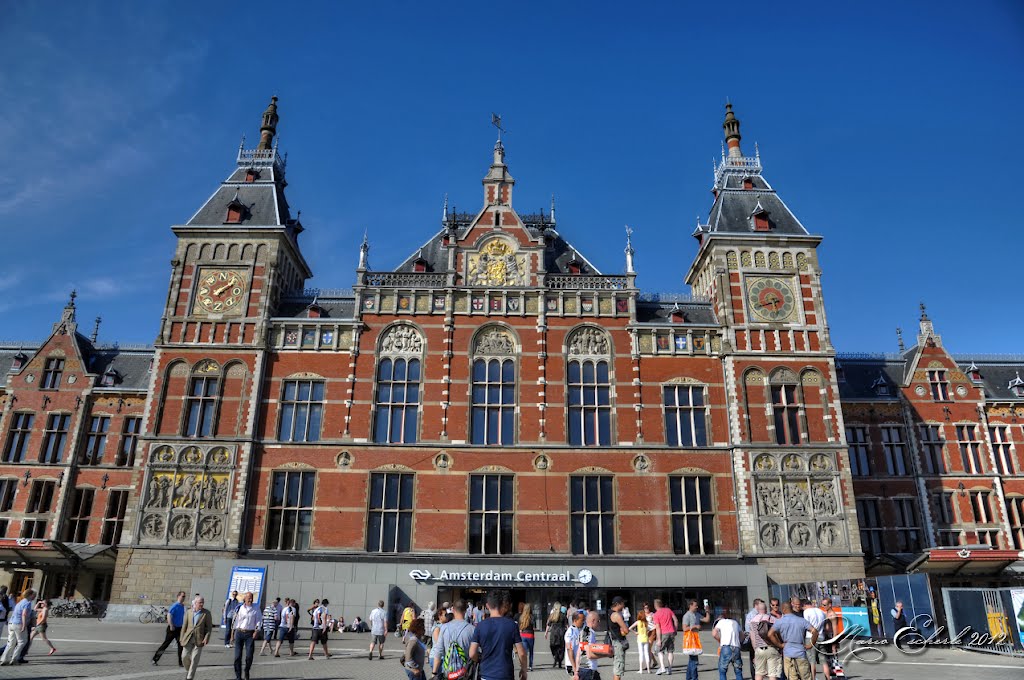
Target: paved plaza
91,649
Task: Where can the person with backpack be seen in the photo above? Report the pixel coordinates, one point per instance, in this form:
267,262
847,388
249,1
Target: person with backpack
767,659
554,633
450,656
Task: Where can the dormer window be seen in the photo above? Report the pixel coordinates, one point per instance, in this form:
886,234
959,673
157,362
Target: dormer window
20,359
748,183
251,175
974,372
1017,386
236,211
314,311
110,378
759,218
677,315
880,386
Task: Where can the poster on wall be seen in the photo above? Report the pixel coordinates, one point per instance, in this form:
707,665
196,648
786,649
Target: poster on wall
1017,598
247,580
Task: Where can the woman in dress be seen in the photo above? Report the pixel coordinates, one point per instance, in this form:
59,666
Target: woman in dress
554,631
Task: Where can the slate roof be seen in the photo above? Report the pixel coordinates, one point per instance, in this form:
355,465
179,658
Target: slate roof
694,313
341,308
860,376
996,376
264,200
734,205
132,366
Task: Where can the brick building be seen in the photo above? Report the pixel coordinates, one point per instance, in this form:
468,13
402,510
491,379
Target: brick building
496,410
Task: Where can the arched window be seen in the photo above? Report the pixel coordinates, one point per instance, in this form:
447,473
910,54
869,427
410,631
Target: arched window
201,400
785,391
398,386
589,388
494,389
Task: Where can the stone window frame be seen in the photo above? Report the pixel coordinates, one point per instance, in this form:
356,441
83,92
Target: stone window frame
113,524
933,450
702,514
78,514
705,408
19,436
284,508
309,403
501,513
603,515
1003,448
864,447
55,439
906,520
971,456
583,356
399,511
896,451
1015,518
96,439
53,372
131,430
514,357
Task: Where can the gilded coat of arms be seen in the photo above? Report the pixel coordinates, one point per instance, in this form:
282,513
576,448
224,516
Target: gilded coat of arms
497,265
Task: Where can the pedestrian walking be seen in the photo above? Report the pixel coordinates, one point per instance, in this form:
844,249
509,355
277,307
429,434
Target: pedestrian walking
643,647
195,635
618,630
429,616
378,629
450,654
554,632
665,625
408,614
746,631
321,626
767,659
230,607
175,619
727,631
526,633
6,605
789,634
42,623
496,639
270,621
573,641
287,627
691,638
309,612
414,658
247,621
17,628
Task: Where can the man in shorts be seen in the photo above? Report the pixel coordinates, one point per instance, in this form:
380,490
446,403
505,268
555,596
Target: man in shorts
665,623
286,629
321,626
816,617
619,631
790,635
378,629
767,659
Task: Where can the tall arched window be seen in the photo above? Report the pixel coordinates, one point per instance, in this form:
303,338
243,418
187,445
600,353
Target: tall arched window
201,400
494,389
785,390
398,386
589,388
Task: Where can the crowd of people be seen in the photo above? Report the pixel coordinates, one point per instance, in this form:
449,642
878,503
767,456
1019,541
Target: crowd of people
466,640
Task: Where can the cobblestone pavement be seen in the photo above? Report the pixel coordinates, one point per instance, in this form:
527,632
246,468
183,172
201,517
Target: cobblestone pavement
91,649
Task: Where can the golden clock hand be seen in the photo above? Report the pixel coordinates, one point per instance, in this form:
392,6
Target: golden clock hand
223,288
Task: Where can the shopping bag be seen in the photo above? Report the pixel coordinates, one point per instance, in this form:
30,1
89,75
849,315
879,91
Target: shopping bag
691,643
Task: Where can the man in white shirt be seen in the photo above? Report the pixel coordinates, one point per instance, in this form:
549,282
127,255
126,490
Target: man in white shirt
727,632
287,627
816,617
246,621
321,625
378,629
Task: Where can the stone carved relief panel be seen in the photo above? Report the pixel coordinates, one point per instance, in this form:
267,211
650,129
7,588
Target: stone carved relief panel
187,494
589,341
495,342
797,502
401,339
497,264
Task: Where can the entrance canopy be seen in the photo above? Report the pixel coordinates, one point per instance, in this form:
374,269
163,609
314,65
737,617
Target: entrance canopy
965,561
32,553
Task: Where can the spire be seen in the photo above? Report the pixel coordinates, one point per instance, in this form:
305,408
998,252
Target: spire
498,182
269,127
444,211
629,251
552,208
899,339
69,308
924,312
927,335
732,132
364,253
95,330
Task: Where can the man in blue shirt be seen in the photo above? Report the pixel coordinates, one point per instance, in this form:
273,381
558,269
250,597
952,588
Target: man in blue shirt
17,632
495,639
789,634
175,620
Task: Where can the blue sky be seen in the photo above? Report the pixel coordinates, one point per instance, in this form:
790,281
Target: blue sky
892,129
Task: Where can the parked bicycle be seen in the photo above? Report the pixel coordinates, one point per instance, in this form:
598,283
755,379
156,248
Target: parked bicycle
153,615
75,609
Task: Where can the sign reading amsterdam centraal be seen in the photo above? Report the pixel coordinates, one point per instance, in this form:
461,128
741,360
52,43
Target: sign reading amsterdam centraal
582,577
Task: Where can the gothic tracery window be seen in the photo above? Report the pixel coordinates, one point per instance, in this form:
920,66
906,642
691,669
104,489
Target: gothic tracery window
589,388
494,388
398,386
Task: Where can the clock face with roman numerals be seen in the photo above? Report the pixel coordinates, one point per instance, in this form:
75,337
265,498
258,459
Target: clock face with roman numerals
221,291
770,299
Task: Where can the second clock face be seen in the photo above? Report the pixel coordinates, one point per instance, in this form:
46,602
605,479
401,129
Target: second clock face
770,299
221,291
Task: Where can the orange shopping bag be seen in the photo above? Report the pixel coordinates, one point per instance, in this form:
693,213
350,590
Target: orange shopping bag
691,643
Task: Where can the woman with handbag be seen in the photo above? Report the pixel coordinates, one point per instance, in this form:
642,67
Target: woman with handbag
554,631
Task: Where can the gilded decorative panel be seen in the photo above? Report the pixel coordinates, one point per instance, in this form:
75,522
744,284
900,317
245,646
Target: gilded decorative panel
604,306
569,305
497,264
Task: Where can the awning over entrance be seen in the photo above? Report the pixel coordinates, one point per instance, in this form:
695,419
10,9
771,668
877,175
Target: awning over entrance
965,561
31,553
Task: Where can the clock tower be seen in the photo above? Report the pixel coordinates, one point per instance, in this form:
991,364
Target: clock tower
235,258
757,265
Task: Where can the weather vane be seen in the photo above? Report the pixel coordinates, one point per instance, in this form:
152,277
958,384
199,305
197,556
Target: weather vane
496,122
